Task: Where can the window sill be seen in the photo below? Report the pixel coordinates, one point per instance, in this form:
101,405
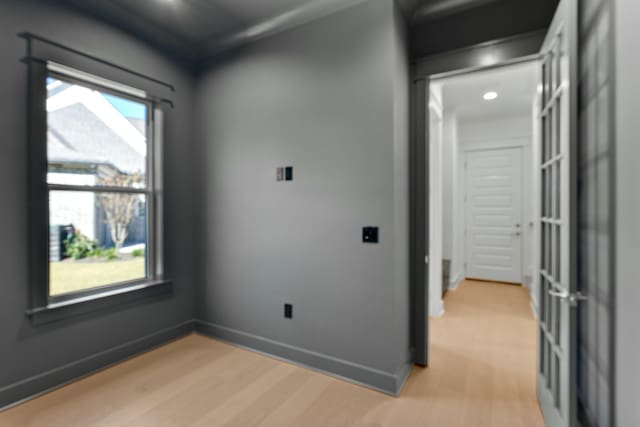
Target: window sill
99,301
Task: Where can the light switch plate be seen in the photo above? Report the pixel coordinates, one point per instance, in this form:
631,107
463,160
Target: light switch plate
370,234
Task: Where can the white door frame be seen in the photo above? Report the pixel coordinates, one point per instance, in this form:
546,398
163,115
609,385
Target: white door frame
435,203
436,123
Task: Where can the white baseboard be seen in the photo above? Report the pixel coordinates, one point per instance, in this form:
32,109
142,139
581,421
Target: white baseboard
534,309
455,281
437,310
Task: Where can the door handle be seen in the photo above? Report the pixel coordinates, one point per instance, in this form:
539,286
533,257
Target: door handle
516,233
573,299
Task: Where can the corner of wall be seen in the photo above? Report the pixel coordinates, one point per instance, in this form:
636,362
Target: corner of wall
376,125
36,385
401,123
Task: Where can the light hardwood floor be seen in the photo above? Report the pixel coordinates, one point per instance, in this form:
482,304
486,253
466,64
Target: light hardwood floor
482,373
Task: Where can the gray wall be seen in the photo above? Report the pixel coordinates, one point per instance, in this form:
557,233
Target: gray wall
331,99
36,357
402,127
483,55
470,27
627,212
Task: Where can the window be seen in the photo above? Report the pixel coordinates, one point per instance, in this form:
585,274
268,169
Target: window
102,194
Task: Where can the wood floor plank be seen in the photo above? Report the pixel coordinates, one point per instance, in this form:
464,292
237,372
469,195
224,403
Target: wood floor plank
228,377
277,394
246,397
97,395
298,402
482,373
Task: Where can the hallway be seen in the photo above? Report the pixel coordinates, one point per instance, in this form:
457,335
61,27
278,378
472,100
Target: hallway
482,360
482,373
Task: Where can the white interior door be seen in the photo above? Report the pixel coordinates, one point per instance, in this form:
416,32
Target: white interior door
493,206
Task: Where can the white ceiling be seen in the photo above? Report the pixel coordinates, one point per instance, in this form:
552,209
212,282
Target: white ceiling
516,86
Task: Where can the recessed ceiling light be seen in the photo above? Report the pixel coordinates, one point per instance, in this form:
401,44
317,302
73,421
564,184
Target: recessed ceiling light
490,96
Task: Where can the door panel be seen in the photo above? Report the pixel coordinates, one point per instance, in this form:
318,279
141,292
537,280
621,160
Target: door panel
595,177
557,314
493,240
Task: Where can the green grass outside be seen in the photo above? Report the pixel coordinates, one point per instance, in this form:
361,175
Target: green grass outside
69,276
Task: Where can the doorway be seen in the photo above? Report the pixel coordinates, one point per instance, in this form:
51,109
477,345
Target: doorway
553,272
482,199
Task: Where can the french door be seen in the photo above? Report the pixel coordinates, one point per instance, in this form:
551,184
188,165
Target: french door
558,297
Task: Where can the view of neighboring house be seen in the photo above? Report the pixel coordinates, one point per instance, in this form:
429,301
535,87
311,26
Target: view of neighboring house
91,137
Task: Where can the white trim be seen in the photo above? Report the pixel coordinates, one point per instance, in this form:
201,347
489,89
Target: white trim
438,309
455,281
480,145
534,309
436,108
436,246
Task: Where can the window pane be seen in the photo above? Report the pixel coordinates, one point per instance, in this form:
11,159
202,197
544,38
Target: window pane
95,239
94,138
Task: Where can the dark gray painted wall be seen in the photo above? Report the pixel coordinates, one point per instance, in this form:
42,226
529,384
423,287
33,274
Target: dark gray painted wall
491,21
25,350
496,53
329,98
402,128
